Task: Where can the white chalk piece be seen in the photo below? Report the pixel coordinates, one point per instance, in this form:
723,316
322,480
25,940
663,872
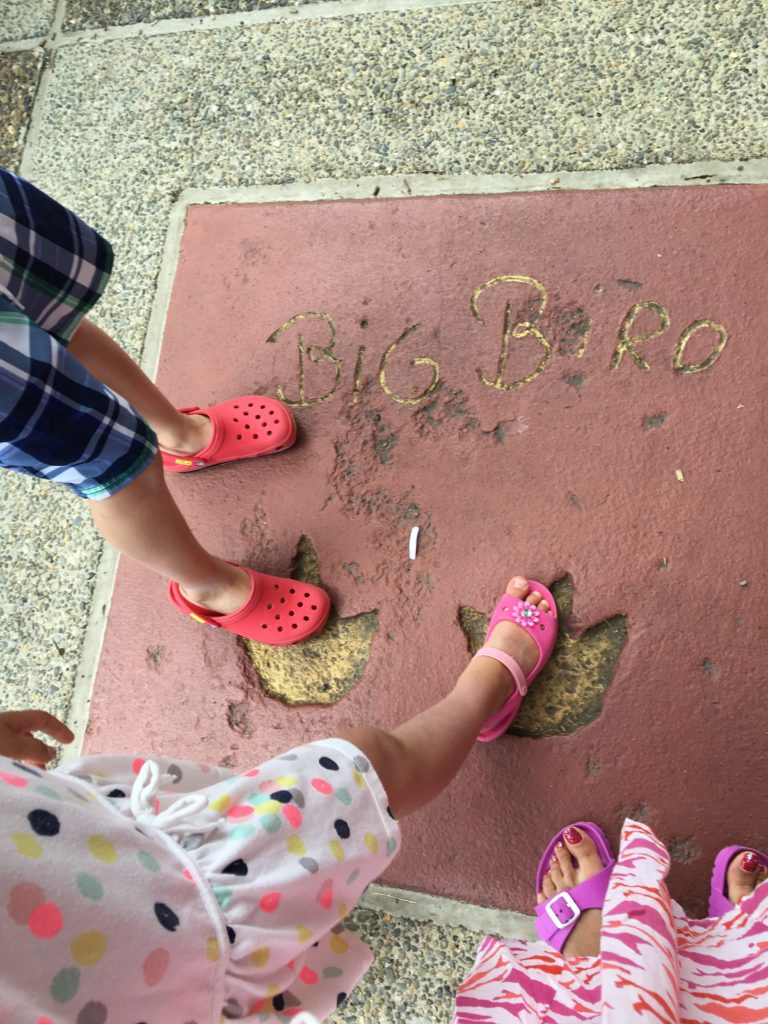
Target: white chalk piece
412,542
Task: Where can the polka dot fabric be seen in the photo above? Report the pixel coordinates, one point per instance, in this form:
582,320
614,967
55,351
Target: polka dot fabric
83,937
304,836
282,853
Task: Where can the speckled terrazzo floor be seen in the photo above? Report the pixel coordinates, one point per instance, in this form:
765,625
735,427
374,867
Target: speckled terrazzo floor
415,974
123,125
18,81
25,19
85,14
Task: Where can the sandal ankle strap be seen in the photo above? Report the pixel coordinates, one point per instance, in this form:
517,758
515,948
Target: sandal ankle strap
509,663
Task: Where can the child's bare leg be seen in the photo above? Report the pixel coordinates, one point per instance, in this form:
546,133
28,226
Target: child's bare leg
104,358
144,522
419,758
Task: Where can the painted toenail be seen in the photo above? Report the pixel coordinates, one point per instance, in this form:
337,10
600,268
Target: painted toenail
750,861
560,845
572,836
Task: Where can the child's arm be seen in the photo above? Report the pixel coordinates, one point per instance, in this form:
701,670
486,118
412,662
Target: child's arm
17,741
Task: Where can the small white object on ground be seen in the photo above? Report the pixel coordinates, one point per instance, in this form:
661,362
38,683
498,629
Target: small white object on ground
679,475
412,542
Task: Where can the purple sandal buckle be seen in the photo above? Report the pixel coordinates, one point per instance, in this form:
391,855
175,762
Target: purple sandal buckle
557,908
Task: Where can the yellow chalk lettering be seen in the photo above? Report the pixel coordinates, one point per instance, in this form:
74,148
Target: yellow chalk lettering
627,342
514,329
419,361
315,353
690,330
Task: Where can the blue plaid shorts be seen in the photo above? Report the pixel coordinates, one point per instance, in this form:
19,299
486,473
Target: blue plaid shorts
57,420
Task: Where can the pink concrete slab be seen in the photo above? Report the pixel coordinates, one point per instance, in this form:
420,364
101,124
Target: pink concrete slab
641,475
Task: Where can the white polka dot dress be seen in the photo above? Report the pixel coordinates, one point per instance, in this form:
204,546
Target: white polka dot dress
160,891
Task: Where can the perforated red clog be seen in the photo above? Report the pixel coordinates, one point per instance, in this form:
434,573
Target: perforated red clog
278,611
242,429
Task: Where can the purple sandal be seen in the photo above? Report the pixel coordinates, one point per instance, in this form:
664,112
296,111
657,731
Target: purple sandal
719,903
556,917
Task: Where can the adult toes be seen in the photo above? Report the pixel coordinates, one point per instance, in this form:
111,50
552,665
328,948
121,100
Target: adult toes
556,873
547,889
583,850
745,872
565,863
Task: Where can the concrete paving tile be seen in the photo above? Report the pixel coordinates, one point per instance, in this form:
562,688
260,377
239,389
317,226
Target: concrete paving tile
385,444
50,553
88,14
475,89
18,81
414,977
25,19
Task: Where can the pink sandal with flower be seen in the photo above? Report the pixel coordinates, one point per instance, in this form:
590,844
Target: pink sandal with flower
543,630
242,429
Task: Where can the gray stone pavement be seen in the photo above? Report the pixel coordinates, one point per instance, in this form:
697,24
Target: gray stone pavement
116,110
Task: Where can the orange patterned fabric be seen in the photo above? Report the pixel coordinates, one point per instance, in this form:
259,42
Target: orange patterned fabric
656,965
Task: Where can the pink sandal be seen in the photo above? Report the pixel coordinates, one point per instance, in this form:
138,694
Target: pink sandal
278,611
543,627
242,429
719,903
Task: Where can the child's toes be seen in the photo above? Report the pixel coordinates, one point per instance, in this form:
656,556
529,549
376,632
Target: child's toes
518,587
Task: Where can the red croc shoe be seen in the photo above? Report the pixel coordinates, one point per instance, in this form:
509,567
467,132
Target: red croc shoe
278,611
242,429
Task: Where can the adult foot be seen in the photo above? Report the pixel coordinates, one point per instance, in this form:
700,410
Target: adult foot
745,873
575,860
191,434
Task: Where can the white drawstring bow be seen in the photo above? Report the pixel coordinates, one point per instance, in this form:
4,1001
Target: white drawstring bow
174,820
